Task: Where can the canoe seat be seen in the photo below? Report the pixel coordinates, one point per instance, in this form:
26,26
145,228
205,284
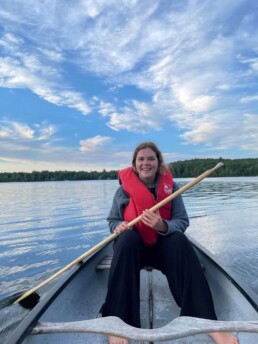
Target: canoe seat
105,264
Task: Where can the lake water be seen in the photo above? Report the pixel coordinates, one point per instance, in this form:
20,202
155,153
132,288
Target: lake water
46,225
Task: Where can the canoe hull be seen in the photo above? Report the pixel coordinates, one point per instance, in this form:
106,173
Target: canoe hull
80,294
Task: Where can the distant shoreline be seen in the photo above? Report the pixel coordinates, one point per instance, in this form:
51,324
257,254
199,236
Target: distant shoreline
180,169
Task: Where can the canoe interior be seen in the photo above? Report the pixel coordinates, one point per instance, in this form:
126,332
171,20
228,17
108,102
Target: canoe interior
84,292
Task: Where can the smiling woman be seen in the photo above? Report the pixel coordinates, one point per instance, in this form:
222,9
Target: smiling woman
146,166
157,241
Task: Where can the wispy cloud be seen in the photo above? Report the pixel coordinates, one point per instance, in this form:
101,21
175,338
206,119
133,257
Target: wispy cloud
136,116
249,99
20,131
92,144
22,68
190,65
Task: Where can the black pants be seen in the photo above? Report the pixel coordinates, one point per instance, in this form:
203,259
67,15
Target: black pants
175,257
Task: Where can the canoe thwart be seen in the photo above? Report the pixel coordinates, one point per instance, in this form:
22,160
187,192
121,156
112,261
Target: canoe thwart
105,263
178,328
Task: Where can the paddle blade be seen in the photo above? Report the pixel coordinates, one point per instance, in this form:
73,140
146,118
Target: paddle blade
30,301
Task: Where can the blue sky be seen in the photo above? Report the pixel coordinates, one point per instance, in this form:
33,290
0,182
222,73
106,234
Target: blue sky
83,82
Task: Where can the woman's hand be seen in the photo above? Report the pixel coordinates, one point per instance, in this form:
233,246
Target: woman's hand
122,227
154,220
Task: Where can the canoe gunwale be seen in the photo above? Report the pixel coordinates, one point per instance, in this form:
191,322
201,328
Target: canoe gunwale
30,320
249,295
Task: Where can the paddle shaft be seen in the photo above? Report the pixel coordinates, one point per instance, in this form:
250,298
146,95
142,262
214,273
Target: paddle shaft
114,235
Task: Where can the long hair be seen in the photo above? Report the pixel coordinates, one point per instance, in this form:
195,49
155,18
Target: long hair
152,146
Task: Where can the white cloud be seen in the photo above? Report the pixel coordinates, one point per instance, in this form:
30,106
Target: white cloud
92,144
46,132
138,117
249,99
251,62
202,132
24,69
249,141
23,131
28,75
192,102
220,132
191,65
15,130
52,55
19,131
106,109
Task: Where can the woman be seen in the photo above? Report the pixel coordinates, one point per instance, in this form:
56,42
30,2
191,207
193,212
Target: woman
157,240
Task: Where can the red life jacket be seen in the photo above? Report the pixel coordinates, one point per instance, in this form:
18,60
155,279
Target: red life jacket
141,199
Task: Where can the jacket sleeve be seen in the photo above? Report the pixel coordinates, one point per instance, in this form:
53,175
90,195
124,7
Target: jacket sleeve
179,221
116,214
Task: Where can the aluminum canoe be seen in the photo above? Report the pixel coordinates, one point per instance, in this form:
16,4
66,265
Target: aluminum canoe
70,312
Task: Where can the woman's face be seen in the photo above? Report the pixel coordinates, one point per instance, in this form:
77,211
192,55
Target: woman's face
146,164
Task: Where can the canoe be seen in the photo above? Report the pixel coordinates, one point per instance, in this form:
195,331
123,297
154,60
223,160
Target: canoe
70,312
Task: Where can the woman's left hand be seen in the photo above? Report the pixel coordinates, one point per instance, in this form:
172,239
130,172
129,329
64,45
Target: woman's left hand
154,220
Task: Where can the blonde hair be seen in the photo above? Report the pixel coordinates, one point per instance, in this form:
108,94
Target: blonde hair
152,146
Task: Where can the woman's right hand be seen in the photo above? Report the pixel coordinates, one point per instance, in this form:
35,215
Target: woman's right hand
122,227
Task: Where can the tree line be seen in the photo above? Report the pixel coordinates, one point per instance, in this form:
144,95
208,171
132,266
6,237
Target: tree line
179,169
231,168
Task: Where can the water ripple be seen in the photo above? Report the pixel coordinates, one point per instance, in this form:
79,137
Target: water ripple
44,226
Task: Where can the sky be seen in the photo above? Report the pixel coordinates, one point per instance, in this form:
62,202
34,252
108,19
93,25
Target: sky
82,83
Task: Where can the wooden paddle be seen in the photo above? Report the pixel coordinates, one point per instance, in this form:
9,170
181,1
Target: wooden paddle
29,303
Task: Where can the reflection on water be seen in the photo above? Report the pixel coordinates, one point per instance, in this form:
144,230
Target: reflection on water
44,226
213,195
224,218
